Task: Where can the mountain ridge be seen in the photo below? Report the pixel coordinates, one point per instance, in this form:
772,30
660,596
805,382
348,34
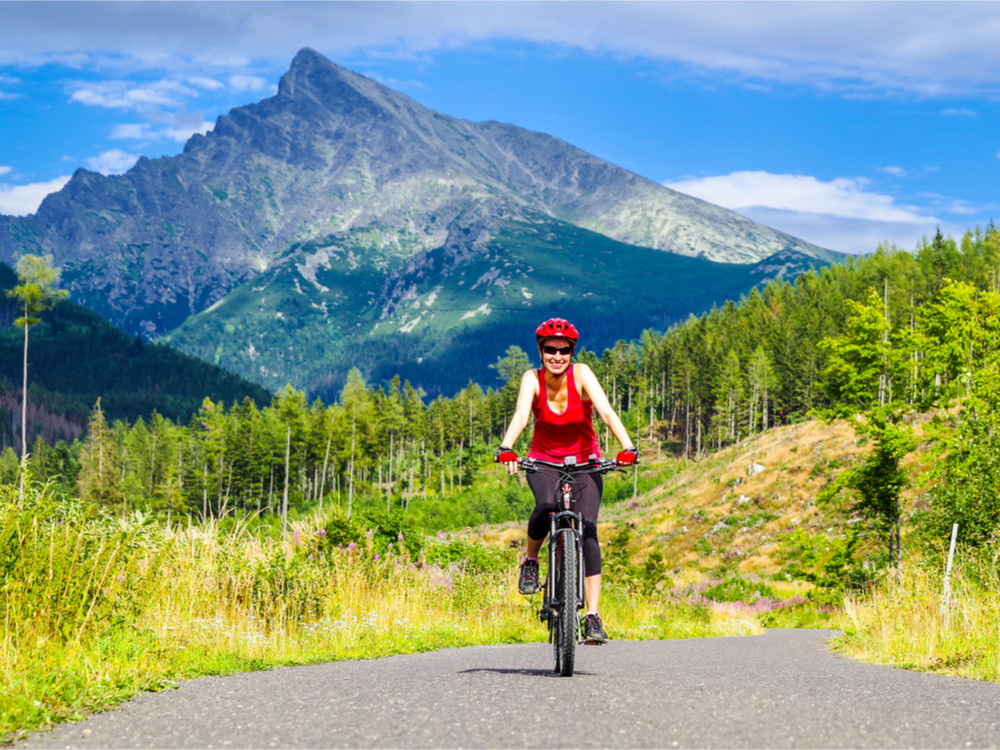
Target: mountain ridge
336,158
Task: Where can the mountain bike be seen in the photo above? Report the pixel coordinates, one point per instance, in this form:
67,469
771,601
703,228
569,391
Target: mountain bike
563,597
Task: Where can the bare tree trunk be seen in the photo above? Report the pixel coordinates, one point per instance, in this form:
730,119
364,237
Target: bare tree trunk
412,486
697,449
350,487
388,475
284,497
663,396
687,431
152,463
270,489
24,414
883,384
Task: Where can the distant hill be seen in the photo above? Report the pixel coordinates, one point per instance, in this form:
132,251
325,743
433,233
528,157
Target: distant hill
76,357
310,320
347,217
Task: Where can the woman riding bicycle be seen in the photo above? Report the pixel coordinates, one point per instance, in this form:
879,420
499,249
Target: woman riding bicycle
563,396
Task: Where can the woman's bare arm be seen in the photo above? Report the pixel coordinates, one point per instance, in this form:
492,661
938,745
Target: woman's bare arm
522,412
591,388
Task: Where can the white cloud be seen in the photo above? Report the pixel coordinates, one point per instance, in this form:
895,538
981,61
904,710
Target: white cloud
958,112
21,200
851,235
843,214
7,81
132,131
894,171
929,48
843,196
130,95
5,170
114,161
249,83
208,84
179,133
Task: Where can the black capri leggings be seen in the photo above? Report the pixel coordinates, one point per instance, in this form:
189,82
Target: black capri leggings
587,496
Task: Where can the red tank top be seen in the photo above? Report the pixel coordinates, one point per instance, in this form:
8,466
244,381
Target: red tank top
570,433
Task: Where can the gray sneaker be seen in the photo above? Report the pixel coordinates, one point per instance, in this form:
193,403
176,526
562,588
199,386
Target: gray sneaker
593,630
527,581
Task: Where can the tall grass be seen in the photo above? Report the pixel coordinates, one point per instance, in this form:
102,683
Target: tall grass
97,608
905,621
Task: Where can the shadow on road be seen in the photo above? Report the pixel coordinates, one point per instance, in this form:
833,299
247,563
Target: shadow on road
525,672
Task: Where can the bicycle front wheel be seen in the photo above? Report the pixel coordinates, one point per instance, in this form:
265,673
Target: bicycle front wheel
566,590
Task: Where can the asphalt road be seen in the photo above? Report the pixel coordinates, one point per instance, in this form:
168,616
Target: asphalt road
781,690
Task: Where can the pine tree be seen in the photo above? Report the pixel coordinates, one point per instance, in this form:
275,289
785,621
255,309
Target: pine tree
35,292
100,478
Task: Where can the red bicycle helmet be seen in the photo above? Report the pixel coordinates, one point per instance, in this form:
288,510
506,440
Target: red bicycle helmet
557,328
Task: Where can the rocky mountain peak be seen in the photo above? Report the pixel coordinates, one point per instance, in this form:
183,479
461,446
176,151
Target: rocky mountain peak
313,76
315,83
338,172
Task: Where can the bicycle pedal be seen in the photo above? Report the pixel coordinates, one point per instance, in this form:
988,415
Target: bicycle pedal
593,643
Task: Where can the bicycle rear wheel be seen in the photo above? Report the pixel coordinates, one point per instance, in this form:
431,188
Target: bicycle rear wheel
566,591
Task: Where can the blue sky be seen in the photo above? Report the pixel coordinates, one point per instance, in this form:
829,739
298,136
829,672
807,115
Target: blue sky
846,124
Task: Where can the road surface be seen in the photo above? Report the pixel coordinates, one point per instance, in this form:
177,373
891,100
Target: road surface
778,690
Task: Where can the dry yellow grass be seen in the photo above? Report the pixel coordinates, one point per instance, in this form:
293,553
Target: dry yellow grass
907,622
705,498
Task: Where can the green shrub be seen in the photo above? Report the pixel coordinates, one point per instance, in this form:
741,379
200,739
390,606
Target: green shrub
738,589
473,557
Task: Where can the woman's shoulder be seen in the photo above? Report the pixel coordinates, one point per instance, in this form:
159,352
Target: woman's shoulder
586,381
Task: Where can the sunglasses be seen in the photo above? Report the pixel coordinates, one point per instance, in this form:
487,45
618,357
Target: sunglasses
563,350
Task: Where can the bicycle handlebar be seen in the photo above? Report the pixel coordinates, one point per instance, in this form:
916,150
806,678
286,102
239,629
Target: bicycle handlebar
595,466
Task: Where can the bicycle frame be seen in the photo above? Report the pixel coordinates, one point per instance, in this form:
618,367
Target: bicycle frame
565,534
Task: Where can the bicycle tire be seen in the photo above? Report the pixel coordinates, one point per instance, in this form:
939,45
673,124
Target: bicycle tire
567,621
551,597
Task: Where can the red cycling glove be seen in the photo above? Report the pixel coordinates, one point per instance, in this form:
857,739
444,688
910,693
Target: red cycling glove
628,457
505,455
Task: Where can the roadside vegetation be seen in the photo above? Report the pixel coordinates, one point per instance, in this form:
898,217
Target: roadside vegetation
97,608
914,621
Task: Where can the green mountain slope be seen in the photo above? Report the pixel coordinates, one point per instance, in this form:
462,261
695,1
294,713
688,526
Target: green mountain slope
76,357
438,318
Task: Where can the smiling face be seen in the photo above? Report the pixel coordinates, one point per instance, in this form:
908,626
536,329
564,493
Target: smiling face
555,357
